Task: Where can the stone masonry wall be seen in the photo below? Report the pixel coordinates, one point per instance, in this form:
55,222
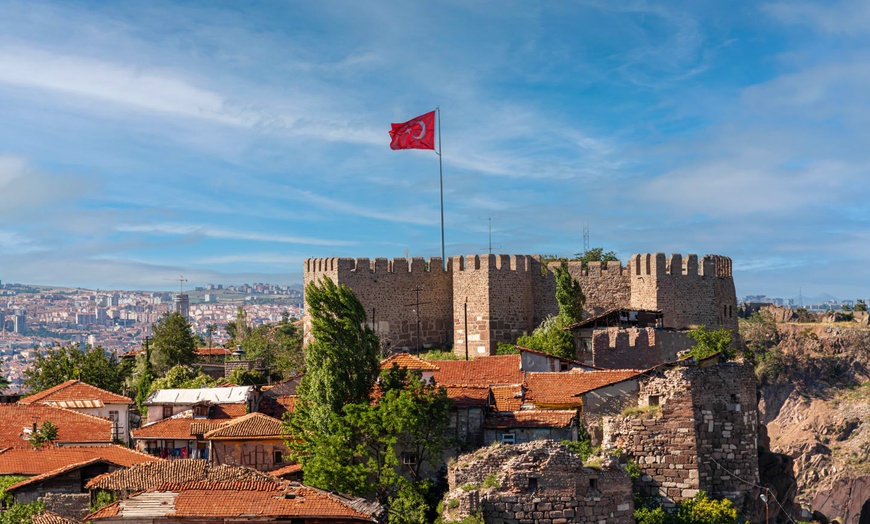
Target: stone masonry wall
71,505
705,433
506,296
386,289
540,482
636,348
726,414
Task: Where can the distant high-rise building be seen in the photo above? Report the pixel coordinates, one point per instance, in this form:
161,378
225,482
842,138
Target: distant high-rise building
181,304
19,323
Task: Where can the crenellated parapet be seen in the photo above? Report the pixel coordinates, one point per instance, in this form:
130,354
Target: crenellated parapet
378,265
659,264
521,263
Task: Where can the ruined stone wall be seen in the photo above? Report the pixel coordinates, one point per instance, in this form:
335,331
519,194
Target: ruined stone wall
386,289
689,292
726,419
704,433
636,348
71,505
538,482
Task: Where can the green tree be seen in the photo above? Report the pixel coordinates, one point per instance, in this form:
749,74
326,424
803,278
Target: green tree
182,377
278,345
595,254
708,343
173,343
551,336
45,434
243,377
238,329
759,334
92,365
144,379
342,361
860,305
375,450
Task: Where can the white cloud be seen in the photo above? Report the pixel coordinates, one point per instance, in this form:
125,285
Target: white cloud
846,17
24,189
169,228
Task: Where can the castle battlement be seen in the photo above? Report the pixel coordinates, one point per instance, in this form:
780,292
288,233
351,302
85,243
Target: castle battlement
658,264
592,269
378,265
518,263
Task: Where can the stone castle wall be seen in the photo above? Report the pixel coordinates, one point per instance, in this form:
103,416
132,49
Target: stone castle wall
636,348
387,291
481,300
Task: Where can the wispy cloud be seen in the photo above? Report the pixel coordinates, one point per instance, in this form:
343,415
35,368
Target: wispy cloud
228,234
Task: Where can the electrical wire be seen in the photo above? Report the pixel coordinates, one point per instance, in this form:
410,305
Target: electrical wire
756,486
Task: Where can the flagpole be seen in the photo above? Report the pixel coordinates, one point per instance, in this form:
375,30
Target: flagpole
441,185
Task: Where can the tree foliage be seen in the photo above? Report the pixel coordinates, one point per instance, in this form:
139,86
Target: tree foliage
92,365
342,361
278,345
595,254
860,305
697,510
551,336
759,334
708,343
243,377
173,343
376,450
182,377
44,435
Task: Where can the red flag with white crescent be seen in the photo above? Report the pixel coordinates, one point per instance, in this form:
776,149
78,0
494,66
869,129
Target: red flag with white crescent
417,133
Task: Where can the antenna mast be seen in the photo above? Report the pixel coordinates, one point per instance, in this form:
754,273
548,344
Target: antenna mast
585,238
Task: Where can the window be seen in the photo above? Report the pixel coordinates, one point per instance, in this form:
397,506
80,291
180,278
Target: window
113,416
593,484
167,411
277,457
508,438
409,459
563,366
200,411
533,486
653,400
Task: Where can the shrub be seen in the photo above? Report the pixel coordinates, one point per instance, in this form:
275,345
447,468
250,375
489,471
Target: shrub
491,481
643,412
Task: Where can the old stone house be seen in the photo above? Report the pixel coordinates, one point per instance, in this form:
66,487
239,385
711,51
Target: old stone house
536,482
84,398
696,429
258,501
254,441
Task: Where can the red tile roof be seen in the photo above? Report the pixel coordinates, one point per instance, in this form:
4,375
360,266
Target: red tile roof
482,371
73,427
292,469
151,475
29,461
73,390
532,419
251,426
210,352
468,396
408,361
508,398
183,426
54,473
252,499
277,406
564,389
47,517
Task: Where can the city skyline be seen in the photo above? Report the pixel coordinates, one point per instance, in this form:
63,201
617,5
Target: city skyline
228,143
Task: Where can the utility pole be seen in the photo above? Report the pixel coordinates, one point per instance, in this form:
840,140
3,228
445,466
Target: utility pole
417,305
585,238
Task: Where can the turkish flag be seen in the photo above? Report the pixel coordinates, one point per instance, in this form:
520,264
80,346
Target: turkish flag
417,133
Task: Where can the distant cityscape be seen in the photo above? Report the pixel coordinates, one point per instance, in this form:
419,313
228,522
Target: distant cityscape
33,318
810,305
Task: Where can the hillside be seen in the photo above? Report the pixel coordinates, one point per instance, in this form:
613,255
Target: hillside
815,401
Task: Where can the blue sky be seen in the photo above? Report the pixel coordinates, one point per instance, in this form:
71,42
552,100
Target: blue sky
230,141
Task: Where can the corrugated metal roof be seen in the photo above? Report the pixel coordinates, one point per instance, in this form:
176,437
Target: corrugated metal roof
233,395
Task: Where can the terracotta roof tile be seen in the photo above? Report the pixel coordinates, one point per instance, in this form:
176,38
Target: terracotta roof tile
210,352
468,396
277,406
151,475
183,425
256,499
563,389
28,461
292,469
54,473
73,427
508,398
251,426
407,361
75,390
532,419
47,517
482,371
